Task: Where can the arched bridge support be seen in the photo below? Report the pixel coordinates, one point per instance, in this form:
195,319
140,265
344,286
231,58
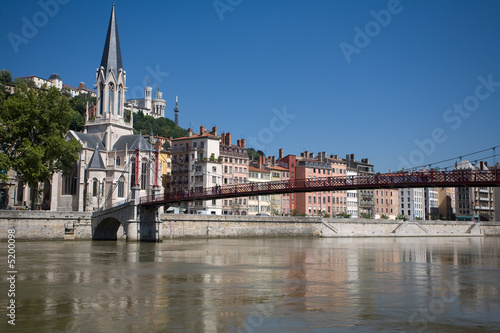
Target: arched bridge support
139,223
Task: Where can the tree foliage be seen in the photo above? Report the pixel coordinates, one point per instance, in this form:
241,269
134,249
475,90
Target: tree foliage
32,137
254,155
157,126
5,76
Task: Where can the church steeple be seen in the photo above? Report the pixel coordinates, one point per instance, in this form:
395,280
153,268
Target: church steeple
110,121
112,55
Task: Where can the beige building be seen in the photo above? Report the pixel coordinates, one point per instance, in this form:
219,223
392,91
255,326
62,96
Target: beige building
446,203
259,204
386,203
234,171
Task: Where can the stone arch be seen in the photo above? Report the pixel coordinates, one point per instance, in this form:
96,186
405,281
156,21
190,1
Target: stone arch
107,229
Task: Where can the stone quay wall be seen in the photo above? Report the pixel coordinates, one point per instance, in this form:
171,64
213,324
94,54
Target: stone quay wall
48,225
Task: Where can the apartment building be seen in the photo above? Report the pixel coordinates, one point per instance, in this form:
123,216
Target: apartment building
366,200
446,203
474,203
196,164
386,203
235,165
258,174
412,203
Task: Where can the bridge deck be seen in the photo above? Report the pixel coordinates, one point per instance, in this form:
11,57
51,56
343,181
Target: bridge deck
455,178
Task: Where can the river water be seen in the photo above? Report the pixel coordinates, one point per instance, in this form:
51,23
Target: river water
257,285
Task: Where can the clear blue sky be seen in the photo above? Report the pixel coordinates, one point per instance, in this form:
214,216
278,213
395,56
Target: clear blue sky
266,55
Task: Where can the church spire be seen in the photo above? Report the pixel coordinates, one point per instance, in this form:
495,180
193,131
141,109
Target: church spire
112,56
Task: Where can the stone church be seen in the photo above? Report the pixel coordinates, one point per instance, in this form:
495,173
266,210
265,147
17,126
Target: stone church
105,172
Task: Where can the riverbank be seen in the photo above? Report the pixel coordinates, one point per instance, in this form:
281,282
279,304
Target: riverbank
47,225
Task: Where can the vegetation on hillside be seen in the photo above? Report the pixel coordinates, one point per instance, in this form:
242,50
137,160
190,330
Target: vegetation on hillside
164,127
254,155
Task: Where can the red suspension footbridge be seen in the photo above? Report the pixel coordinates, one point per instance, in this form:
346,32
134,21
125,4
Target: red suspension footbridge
431,178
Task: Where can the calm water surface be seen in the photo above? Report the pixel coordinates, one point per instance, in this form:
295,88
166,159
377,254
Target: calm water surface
257,285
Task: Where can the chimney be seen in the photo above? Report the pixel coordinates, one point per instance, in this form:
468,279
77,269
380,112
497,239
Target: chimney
202,130
242,143
365,160
238,143
273,159
214,130
311,155
228,139
281,153
306,154
261,158
352,157
481,165
190,132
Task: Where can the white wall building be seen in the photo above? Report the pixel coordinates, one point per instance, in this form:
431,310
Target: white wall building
352,197
412,203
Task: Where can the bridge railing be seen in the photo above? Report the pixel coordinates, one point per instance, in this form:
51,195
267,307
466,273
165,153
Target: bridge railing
389,180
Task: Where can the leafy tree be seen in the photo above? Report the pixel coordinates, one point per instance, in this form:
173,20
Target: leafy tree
32,135
366,216
77,122
344,215
5,76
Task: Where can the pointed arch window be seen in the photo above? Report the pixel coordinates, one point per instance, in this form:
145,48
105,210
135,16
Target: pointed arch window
119,110
95,187
111,98
121,187
118,161
132,173
101,99
144,176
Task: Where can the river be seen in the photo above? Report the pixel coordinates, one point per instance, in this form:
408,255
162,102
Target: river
256,285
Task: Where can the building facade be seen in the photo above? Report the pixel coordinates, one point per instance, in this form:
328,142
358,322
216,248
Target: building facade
234,171
474,203
386,204
196,164
412,203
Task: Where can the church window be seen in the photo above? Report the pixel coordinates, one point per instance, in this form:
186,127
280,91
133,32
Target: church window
118,111
95,185
144,175
117,160
111,98
101,100
69,183
132,177
121,187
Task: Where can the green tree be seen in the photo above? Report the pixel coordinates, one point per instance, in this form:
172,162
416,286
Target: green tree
5,76
32,136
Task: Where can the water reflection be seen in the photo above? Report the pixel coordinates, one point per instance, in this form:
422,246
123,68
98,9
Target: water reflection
253,285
